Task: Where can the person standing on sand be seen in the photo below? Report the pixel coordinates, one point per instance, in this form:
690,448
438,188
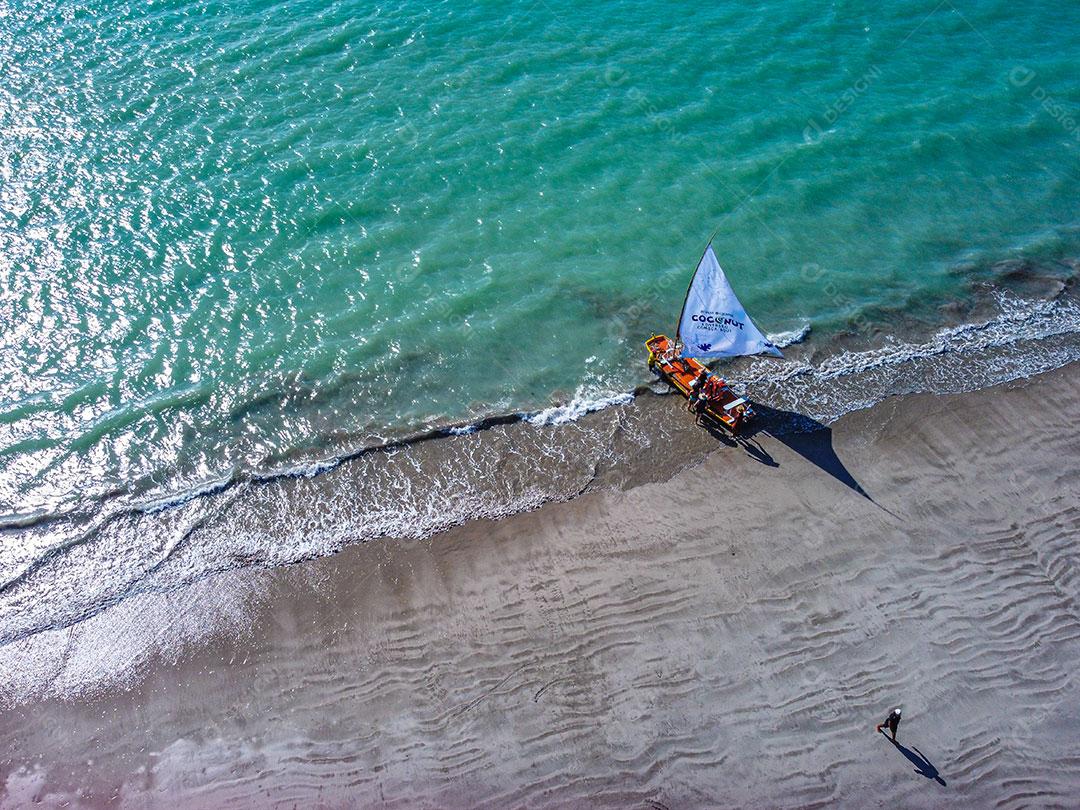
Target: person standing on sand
892,722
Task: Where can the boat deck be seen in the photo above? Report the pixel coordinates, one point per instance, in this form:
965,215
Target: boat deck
726,407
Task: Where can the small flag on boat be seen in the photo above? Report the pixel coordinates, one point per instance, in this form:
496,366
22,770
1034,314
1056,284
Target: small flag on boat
713,322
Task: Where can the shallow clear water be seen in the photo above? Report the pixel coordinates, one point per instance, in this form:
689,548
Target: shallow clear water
237,235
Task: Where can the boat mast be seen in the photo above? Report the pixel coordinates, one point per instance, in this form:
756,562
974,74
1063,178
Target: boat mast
690,286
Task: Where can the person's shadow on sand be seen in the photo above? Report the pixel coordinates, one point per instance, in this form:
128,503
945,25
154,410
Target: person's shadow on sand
754,449
923,766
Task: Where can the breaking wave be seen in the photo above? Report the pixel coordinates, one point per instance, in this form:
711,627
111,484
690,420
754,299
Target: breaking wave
1026,337
60,570
784,339
578,407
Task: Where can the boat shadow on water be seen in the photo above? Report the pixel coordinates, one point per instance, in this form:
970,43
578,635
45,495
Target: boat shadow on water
809,438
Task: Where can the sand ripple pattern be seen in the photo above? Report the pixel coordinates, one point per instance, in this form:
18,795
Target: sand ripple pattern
726,638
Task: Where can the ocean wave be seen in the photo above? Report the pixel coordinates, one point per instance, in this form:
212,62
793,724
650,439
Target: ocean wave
784,339
1018,320
184,496
462,430
70,568
576,408
1008,346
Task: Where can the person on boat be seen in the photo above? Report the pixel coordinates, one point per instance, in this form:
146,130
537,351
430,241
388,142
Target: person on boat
700,397
699,381
670,357
696,389
713,387
738,413
698,406
675,359
892,722
697,403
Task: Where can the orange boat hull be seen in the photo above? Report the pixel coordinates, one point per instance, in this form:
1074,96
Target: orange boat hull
681,373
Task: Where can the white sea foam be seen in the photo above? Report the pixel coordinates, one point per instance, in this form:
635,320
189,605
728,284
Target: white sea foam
1019,320
784,339
409,492
182,497
576,408
957,358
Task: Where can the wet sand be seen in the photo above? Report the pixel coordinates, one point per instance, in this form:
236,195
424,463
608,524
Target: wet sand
727,637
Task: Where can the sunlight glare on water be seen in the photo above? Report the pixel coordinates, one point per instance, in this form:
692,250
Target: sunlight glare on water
234,235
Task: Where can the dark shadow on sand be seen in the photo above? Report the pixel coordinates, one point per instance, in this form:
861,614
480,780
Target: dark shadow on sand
806,436
809,438
923,766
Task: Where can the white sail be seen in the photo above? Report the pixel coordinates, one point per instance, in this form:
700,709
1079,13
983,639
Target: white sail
713,322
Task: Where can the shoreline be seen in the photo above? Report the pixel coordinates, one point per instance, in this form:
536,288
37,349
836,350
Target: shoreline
56,573
1029,285
725,635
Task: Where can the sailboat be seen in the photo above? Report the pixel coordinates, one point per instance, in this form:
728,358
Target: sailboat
712,324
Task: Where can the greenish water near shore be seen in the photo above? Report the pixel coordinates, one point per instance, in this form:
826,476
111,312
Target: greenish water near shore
232,234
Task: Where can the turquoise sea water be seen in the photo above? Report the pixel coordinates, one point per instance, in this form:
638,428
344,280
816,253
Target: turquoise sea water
233,235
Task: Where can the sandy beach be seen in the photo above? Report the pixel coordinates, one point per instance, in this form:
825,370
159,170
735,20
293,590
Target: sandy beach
726,637
340,460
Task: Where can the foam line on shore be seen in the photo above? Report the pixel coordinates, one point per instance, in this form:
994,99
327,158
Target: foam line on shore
63,569
1018,320
683,633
